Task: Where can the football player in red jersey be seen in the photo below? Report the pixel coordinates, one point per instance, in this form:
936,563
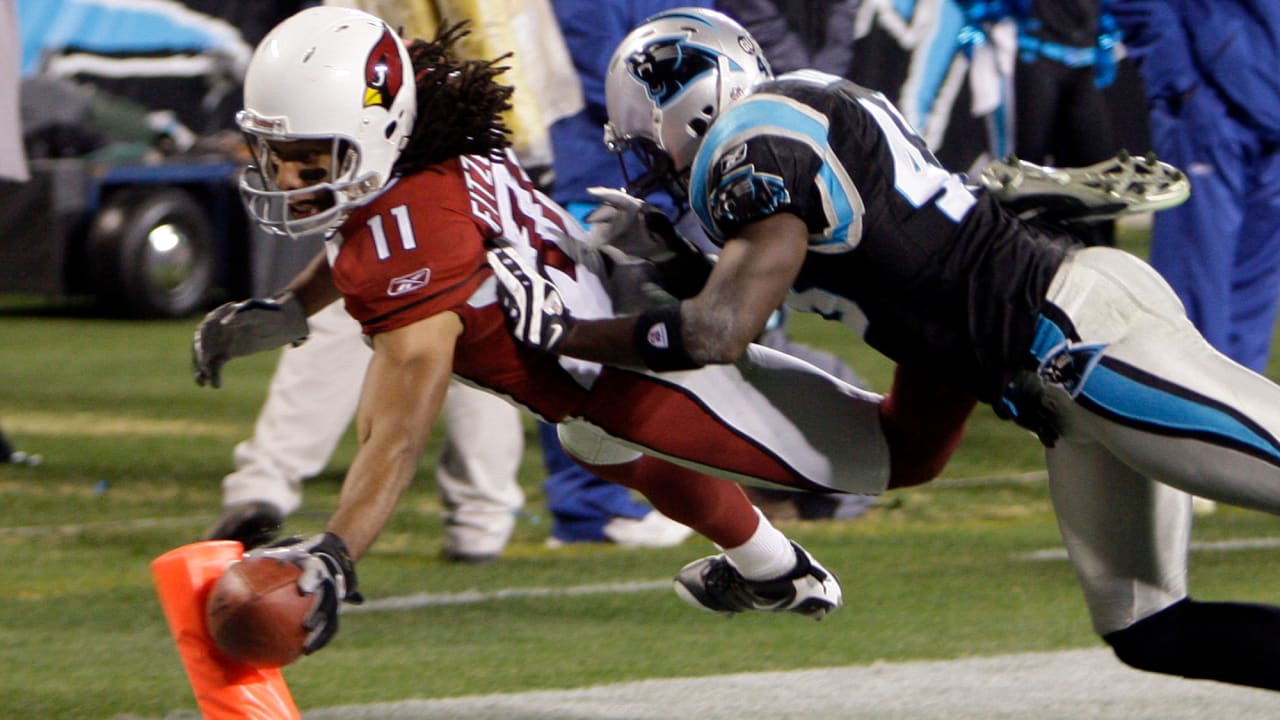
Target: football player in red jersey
397,155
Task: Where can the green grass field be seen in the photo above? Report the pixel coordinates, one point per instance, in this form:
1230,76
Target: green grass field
134,453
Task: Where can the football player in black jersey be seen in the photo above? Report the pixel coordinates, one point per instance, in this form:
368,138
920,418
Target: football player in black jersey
819,192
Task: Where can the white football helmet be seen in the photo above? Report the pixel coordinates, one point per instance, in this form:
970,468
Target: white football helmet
671,77
328,73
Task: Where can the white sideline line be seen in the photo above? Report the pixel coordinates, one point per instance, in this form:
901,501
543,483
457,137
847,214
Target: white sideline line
467,597
1219,546
1067,685
1064,685
990,480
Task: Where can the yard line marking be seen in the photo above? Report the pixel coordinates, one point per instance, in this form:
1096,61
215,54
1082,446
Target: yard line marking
102,424
32,530
1019,479
468,597
1219,546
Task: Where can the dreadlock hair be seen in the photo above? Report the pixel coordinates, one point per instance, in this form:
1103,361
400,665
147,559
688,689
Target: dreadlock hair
459,103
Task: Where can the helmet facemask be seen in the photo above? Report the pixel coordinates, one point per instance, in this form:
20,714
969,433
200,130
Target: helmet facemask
660,171
668,81
321,204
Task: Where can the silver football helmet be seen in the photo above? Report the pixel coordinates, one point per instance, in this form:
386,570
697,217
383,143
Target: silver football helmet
326,73
670,78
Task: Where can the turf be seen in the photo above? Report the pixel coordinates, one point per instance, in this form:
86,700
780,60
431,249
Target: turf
134,452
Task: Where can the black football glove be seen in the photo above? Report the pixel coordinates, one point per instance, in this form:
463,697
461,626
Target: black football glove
242,328
327,572
534,310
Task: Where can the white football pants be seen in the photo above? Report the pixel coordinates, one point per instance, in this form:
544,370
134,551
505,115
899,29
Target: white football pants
1151,413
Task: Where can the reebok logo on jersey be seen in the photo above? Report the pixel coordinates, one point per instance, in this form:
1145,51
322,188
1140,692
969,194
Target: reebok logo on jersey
733,158
406,284
657,336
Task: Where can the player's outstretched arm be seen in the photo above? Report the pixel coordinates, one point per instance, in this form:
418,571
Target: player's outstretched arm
404,389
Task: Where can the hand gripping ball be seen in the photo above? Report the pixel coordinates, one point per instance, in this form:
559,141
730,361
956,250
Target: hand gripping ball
256,612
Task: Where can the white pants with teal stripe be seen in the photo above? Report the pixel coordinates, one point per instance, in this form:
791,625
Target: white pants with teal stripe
1147,413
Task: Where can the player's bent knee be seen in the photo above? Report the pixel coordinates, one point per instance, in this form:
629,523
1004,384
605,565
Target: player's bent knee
915,459
593,446
923,421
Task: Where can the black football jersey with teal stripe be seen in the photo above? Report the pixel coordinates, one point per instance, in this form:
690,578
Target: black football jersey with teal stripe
931,273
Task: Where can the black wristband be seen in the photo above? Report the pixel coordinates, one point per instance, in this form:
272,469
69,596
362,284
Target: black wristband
659,340
334,547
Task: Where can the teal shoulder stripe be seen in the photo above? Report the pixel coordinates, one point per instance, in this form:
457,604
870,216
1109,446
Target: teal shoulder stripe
767,114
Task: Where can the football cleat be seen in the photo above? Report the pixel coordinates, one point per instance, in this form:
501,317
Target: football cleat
715,585
1122,185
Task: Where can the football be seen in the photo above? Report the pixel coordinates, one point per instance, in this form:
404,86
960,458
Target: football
255,612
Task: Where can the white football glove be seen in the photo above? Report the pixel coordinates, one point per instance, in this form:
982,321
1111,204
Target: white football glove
535,312
242,328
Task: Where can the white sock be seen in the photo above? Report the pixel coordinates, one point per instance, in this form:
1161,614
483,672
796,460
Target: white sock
766,555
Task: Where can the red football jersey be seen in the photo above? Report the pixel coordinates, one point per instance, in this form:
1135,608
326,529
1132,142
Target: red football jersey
419,250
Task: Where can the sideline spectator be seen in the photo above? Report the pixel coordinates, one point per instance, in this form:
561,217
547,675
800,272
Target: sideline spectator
1214,97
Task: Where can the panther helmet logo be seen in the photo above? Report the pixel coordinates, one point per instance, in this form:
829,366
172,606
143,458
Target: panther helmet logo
383,72
668,65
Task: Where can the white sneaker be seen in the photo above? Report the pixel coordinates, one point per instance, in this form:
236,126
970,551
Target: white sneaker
654,530
476,538
715,585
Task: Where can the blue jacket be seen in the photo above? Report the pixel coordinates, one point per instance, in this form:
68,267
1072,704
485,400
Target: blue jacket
1229,46
592,29
799,35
